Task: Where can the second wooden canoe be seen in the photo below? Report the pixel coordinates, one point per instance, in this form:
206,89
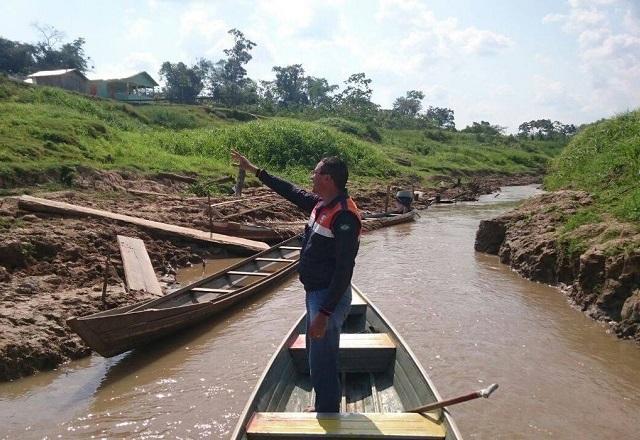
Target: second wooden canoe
118,330
387,219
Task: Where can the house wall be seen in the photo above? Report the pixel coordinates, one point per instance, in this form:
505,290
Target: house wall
68,81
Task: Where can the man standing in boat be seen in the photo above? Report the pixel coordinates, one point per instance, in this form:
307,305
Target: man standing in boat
327,258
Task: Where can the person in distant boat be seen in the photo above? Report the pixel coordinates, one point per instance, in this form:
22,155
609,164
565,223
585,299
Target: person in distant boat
329,248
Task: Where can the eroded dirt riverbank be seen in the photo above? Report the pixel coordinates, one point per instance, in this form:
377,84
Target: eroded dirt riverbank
53,267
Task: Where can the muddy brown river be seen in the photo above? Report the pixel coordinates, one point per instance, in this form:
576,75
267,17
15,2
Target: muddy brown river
470,321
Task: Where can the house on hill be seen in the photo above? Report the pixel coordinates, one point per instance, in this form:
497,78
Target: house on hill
69,79
137,88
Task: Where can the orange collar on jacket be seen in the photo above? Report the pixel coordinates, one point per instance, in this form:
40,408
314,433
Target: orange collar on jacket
322,217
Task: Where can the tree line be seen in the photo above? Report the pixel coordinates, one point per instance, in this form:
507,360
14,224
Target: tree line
49,53
225,82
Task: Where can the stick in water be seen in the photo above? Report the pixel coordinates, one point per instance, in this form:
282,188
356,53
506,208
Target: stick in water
486,392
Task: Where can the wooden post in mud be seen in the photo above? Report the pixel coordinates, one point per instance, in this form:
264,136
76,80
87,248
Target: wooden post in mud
240,181
210,209
386,201
105,279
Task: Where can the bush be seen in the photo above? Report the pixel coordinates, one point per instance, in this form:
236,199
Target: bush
363,131
436,135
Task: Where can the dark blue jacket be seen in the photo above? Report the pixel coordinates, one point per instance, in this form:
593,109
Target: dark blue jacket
324,262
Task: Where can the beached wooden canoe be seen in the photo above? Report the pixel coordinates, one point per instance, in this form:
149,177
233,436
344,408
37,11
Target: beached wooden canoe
388,219
117,330
381,381
249,231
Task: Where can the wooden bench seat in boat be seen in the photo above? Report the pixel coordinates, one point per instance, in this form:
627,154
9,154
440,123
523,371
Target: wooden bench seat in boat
358,305
279,425
359,352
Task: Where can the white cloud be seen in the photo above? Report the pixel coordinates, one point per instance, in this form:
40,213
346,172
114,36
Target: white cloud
553,18
609,50
130,65
139,28
439,38
201,32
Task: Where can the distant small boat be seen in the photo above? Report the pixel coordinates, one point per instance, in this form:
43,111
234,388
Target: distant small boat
118,330
388,219
381,380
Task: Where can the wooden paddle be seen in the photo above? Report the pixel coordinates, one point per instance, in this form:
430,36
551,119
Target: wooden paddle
486,392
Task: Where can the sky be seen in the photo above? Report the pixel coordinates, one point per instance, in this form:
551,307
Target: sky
502,61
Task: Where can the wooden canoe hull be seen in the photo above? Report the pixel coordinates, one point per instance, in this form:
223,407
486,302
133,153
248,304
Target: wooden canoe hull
390,220
118,330
404,384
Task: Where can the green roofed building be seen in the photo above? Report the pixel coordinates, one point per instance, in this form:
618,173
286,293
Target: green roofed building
137,88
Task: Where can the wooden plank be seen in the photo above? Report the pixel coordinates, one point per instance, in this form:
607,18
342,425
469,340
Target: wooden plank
249,274
236,201
359,352
350,341
276,260
264,425
208,290
36,204
358,304
138,271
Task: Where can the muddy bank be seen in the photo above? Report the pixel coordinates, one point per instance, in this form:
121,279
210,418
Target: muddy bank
596,265
52,267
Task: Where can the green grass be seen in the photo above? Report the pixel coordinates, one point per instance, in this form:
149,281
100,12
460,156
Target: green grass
48,131
604,159
440,152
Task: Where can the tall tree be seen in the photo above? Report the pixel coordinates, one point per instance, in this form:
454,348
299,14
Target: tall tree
320,92
441,117
182,83
355,100
290,86
229,77
16,58
409,105
545,129
484,127
50,55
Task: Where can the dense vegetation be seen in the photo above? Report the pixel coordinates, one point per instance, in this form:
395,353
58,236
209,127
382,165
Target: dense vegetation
43,128
603,159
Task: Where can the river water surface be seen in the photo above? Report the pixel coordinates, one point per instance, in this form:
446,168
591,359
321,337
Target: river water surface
470,321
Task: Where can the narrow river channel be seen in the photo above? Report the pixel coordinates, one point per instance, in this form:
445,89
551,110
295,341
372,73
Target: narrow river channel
470,321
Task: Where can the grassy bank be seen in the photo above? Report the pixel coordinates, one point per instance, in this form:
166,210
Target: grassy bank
603,160
47,130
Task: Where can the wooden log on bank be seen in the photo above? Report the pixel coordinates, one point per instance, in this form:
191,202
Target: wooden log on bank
35,204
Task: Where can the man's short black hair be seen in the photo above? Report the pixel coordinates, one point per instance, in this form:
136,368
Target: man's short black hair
337,169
